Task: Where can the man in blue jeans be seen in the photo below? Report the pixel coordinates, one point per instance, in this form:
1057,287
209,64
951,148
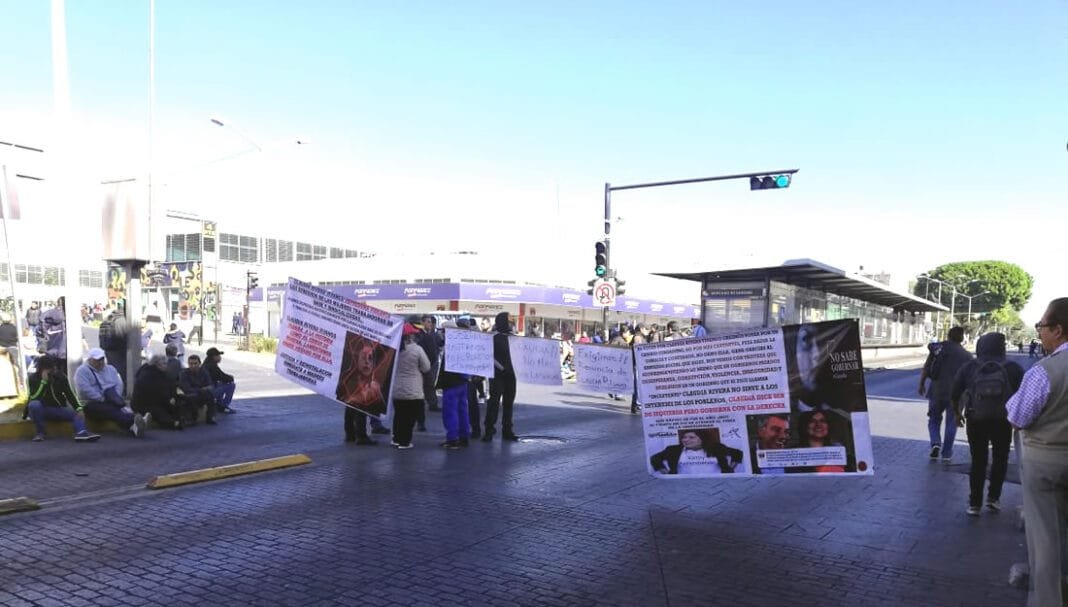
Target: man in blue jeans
52,399
943,362
223,382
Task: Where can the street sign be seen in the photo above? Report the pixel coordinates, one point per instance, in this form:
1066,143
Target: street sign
604,293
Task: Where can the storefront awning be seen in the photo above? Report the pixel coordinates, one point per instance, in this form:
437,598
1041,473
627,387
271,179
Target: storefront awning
821,277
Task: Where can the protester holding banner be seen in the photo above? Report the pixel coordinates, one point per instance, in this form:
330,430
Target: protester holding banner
475,387
453,401
502,385
699,452
412,364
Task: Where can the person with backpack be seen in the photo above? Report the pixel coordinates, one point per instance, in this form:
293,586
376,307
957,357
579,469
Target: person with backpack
980,390
943,361
111,338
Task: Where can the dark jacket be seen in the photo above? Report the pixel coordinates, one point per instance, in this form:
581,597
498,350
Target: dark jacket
152,389
953,356
191,381
449,379
217,375
727,457
54,391
990,347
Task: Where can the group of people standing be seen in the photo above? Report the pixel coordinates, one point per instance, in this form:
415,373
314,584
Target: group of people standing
420,373
992,397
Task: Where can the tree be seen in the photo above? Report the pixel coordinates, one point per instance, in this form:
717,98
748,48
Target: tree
998,291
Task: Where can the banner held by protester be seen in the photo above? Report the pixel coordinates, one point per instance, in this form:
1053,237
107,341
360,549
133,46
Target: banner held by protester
787,400
338,347
536,360
604,369
469,352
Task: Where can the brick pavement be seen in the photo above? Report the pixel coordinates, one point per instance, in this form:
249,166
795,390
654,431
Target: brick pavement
539,523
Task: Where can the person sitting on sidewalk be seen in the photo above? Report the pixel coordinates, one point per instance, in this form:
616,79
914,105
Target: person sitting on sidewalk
52,399
100,391
154,394
224,385
195,390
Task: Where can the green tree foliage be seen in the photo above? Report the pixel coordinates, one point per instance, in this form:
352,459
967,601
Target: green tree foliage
1007,285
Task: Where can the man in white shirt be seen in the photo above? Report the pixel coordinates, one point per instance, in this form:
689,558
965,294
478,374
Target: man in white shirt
99,388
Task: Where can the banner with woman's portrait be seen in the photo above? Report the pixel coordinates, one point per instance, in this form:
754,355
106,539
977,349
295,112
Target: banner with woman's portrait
765,402
338,347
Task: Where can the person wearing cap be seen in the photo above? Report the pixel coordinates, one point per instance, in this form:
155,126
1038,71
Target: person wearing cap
431,342
51,398
223,383
100,391
502,384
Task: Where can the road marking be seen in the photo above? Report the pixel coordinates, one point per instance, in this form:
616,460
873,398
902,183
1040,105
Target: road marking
18,504
210,474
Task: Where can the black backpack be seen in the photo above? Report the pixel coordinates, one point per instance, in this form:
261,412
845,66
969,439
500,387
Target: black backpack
987,392
938,358
106,336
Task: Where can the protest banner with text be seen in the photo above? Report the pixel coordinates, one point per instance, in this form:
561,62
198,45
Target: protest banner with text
469,352
765,402
536,360
604,369
338,347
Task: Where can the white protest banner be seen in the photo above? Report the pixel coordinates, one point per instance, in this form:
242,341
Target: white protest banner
338,347
536,360
469,352
763,402
604,369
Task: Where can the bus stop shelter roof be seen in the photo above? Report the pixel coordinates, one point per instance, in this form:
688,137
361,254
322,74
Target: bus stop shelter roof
812,274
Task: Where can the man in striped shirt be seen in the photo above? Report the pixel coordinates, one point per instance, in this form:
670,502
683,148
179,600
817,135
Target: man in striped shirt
1040,410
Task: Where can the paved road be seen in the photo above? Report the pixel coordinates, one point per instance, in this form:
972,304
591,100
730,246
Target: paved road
568,519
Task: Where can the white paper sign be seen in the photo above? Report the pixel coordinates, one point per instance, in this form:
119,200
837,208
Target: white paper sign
536,360
604,369
469,352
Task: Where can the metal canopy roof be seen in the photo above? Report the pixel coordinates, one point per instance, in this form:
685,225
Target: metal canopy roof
814,275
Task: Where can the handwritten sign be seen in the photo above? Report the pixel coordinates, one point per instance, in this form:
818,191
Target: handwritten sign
469,352
536,360
604,369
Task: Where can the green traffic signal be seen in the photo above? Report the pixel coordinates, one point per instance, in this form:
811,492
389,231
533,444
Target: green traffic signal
600,271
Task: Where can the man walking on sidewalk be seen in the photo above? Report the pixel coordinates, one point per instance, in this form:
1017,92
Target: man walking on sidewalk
941,366
1040,410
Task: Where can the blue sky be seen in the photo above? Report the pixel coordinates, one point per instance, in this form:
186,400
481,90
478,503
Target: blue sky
908,120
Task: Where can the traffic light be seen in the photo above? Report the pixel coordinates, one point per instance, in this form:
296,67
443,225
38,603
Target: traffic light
253,280
601,259
621,287
769,182
590,283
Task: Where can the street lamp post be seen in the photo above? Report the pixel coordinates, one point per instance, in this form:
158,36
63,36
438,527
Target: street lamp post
609,188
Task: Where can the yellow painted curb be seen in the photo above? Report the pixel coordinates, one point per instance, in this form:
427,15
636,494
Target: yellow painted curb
210,474
18,504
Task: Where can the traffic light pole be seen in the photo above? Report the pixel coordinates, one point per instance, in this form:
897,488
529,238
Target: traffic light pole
609,188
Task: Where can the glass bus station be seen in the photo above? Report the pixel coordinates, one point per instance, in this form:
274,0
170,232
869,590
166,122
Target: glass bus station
804,290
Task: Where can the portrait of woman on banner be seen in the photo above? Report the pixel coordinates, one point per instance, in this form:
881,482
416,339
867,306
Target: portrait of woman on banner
364,378
820,430
699,452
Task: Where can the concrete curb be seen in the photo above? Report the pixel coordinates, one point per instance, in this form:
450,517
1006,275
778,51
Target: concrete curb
210,474
18,504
